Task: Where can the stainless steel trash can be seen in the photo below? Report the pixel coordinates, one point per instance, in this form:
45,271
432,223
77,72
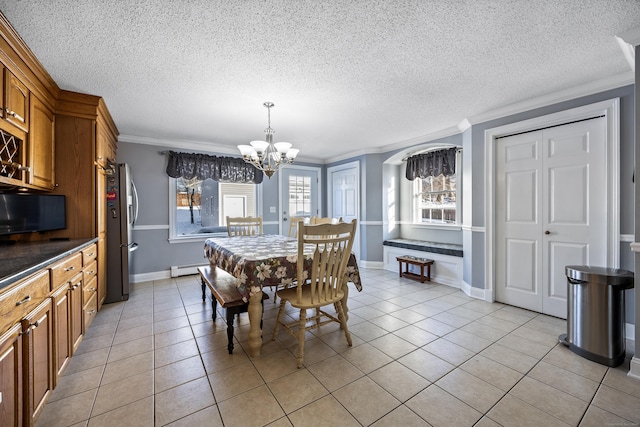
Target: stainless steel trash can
595,312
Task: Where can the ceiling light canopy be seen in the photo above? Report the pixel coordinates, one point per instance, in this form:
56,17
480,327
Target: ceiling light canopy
267,155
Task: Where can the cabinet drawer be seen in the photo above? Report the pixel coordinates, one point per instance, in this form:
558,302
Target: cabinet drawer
89,311
89,290
89,254
90,271
65,269
22,298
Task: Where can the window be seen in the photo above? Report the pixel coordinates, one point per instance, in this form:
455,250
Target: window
201,207
436,198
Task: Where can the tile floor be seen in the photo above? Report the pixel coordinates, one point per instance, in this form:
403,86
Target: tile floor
423,354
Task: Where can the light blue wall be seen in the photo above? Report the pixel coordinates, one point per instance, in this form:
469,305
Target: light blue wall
379,181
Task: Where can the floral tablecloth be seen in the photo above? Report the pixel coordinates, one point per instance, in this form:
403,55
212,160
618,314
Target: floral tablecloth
264,260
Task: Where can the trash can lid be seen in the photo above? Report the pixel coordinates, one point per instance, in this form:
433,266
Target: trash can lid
602,275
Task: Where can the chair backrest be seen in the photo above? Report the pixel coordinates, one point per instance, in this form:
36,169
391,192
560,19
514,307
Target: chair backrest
244,226
331,244
293,225
315,220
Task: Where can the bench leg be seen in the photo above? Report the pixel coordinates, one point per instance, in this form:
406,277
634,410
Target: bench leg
400,268
421,273
214,306
204,297
230,314
429,272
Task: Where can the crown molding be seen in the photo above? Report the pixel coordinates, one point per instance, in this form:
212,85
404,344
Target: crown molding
631,36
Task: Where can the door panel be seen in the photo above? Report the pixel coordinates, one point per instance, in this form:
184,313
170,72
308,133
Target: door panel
551,188
300,194
344,183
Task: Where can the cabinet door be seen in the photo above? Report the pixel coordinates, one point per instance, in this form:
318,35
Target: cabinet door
38,359
11,378
61,330
41,151
75,295
16,104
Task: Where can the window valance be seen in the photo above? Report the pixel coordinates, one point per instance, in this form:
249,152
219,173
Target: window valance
432,163
203,166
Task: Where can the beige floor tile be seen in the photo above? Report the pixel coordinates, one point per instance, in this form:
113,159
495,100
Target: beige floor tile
596,417
473,391
169,376
463,312
366,400
82,362
183,400
486,422
439,408
67,411
175,352
576,385
96,343
234,381
124,368
326,411
209,417
426,364
296,390
393,345
483,307
254,408
451,352
170,324
524,346
337,341
366,312
401,416
467,340
131,334
389,323
211,342
492,372
513,412
335,372
415,335
172,337
130,348
366,357
426,310
617,378
564,358
561,405
135,414
173,313
98,330
367,331
509,357
314,351
220,359
123,392
497,323
619,403
435,326
407,315
529,332
483,331
134,322
79,382
399,380
275,365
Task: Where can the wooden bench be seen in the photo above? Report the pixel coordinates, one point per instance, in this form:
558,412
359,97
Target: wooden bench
224,291
420,262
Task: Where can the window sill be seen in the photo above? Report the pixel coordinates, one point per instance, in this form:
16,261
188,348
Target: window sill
195,238
448,227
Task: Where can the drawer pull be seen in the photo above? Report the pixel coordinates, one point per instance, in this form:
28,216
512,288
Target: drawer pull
22,301
70,268
91,313
30,327
91,272
74,287
92,289
91,254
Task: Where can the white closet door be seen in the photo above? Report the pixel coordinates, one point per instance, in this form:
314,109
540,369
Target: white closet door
551,212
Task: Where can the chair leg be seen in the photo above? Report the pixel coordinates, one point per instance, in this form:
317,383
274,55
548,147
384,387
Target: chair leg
343,322
230,314
277,326
301,332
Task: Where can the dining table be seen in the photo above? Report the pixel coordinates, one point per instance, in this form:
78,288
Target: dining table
265,260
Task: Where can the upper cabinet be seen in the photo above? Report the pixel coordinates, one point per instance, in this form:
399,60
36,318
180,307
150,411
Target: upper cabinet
27,127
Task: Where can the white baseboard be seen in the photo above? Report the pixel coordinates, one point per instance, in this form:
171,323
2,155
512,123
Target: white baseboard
634,369
379,265
185,270
149,277
630,332
473,292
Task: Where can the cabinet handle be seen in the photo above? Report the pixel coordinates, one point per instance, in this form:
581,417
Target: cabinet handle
23,300
91,254
91,313
35,324
91,272
74,287
15,165
27,332
91,289
70,268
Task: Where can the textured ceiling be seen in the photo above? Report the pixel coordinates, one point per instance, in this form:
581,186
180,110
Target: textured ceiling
346,77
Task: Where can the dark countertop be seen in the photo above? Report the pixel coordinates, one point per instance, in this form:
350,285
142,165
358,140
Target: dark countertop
420,245
23,259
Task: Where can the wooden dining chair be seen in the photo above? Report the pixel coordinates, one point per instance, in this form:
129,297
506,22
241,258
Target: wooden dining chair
244,226
315,220
293,225
319,285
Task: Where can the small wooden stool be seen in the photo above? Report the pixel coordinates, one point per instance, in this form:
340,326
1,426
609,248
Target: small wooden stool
420,262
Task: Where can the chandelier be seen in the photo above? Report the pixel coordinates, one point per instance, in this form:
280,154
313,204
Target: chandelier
265,155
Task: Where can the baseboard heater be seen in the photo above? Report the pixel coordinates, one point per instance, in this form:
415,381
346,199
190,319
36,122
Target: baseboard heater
185,270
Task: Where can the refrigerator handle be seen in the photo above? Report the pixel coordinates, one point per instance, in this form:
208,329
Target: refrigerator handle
135,203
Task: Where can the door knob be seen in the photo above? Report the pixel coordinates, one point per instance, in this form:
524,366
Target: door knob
547,232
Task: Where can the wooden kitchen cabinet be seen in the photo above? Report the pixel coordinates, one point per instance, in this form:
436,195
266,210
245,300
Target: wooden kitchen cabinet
38,359
11,378
41,147
16,101
61,330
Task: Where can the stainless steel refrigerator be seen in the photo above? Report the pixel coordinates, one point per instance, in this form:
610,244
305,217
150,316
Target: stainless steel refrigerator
122,211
